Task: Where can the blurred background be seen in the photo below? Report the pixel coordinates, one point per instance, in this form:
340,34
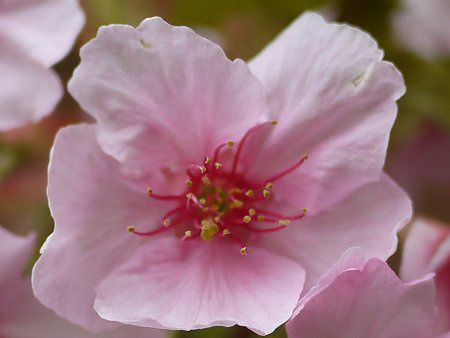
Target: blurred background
419,153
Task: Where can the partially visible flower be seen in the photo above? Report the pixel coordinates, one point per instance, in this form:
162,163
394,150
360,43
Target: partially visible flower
424,26
364,298
22,316
233,155
34,35
427,249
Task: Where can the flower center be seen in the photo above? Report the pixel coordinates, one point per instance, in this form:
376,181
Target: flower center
221,204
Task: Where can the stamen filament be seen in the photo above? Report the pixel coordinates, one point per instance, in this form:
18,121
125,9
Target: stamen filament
244,140
219,149
281,216
151,194
288,170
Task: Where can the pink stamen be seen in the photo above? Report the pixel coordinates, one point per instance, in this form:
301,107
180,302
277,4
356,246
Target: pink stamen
280,216
217,152
243,141
189,238
151,194
288,170
173,211
150,233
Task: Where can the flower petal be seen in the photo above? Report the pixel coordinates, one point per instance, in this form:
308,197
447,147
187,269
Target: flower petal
92,204
162,95
15,252
27,317
424,27
31,91
369,218
44,29
371,302
180,285
335,101
426,249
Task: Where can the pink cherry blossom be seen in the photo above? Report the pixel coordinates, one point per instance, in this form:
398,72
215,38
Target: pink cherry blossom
427,249
423,26
21,315
34,35
222,236
364,298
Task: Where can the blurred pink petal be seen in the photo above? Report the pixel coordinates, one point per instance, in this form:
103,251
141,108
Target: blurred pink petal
34,35
424,27
30,91
427,249
223,235
366,300
23,316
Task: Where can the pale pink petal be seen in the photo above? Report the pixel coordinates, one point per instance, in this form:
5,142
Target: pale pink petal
368,218
44,29
335,101
30,92
162,95
187,286
352,259
372,303
427,249
15,253
92,205
423,26
28,318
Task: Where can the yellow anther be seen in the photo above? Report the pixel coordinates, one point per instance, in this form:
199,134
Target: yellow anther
214,207
305,210
218,165
274,122
207,160
131,228
249,193
235,191
226,232
189,195
243,250
217,219
284,222
269,186
261,218
247,219
166,222
149,191
252,212
202,201
206,180
266,193
209,229
202,169
230,143
188,233
236,204
189,183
